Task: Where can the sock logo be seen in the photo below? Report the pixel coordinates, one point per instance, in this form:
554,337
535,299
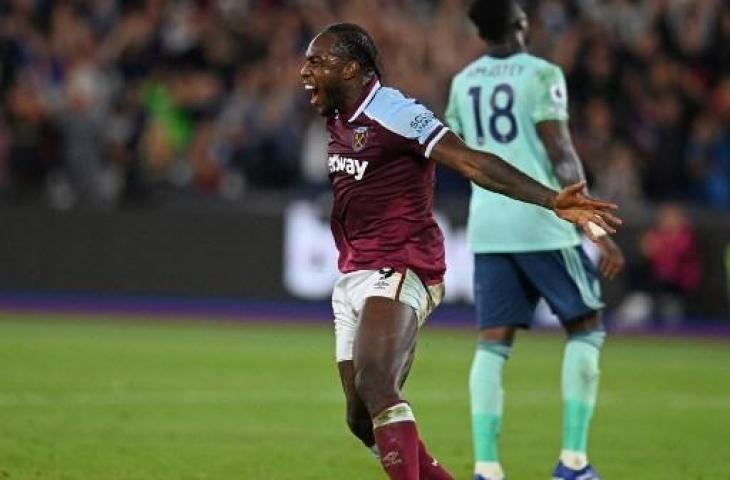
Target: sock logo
391,459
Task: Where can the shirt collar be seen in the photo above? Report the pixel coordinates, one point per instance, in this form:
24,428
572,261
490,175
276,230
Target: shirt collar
369,92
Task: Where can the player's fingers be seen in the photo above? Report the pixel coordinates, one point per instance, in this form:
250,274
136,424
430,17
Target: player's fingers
591,230
599,221
604,267
611,270
608,267
615,269
609,217
599,204
578,187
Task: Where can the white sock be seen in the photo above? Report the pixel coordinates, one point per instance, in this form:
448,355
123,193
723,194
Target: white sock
374,450
490,470
574,460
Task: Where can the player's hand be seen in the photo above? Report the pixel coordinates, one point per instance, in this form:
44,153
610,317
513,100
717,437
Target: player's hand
593,216
612,258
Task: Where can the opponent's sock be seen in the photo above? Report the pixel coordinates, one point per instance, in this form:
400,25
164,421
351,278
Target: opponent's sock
429,467
485,388
397,439
580,389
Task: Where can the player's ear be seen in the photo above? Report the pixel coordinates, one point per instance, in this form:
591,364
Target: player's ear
350,70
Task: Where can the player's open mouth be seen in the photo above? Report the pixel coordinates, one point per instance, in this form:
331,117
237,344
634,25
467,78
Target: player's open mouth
314,92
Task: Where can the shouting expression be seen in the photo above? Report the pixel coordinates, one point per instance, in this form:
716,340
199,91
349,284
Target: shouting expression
324,75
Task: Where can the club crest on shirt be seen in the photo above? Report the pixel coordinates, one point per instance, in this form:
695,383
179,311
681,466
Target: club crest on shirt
359,138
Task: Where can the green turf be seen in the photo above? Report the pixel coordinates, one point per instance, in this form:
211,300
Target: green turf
108,399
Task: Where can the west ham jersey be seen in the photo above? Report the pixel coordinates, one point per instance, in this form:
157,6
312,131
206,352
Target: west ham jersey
383,183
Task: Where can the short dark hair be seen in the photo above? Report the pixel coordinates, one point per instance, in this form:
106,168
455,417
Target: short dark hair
355,42
493,18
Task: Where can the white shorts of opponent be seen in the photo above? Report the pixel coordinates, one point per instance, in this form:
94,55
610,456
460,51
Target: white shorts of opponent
351,290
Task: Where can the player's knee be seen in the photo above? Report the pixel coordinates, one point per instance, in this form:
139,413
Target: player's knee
505,335
375,386
594,338
584,349
589,323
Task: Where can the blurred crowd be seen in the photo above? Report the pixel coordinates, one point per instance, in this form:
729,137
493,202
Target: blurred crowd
108,101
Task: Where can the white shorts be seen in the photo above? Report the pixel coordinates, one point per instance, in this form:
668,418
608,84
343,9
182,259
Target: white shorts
351,290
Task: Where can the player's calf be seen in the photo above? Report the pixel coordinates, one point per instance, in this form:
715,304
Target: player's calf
396,436
487,400
429,467
580,374
394,426
361,425
385,339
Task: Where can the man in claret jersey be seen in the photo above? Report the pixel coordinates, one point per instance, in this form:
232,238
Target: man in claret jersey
381,155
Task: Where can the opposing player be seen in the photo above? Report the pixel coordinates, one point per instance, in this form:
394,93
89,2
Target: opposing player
382,148
514,105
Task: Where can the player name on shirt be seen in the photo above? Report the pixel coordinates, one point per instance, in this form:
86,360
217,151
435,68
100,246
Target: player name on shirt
506,70
351,166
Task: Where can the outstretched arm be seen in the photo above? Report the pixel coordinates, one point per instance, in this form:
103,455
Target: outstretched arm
493,173
555,136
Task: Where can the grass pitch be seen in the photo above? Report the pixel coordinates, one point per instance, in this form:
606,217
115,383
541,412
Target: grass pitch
116,399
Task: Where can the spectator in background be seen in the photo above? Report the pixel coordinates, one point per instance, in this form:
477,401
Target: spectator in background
669,272
708,157
80,107
618,179
594,135
665,172
33,141
155,80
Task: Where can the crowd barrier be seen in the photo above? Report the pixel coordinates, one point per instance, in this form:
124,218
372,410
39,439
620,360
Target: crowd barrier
253,253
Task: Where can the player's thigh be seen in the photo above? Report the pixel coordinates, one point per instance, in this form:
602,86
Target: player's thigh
503,298
346,316
352,290
385,338
567,280
395,305
407,368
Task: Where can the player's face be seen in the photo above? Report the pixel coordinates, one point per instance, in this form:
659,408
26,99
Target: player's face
322,75
523,26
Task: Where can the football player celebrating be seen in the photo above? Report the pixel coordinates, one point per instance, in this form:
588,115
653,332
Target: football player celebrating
382,149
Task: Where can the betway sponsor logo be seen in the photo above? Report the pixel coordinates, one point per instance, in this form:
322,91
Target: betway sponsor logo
348,165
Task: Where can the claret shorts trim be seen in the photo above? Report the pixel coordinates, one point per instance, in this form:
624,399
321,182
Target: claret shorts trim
351,290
